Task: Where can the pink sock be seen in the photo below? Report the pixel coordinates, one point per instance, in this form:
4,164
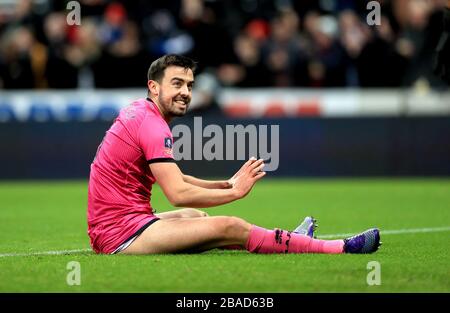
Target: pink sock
261,240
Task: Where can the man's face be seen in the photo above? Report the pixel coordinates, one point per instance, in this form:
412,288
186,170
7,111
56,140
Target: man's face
175,91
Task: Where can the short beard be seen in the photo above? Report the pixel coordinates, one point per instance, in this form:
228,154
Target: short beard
169,109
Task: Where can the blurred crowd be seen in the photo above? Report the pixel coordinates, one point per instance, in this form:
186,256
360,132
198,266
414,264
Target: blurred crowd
240,43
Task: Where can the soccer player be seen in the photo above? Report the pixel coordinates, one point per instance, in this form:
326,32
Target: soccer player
136,152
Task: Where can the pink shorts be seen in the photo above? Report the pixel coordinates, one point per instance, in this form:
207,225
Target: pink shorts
130,240
113,238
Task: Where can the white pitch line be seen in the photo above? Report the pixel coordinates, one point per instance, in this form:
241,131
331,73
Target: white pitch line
383,232
61,252
394,232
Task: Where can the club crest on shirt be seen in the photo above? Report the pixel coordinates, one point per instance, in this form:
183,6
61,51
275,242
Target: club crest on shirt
168,146
130,112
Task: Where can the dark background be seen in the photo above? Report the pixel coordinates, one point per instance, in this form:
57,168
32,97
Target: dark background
413,146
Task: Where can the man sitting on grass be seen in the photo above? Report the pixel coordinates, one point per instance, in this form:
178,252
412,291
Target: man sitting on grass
136,152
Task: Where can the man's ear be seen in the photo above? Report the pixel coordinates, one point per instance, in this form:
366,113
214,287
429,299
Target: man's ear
153,87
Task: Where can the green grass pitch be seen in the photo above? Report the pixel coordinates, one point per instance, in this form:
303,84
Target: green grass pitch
51,216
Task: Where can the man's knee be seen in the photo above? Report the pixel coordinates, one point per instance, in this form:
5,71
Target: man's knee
189,212
235,227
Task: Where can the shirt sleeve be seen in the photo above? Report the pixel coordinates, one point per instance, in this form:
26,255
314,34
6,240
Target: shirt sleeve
156,141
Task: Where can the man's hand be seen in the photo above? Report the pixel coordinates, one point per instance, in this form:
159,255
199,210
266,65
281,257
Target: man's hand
244,180
232,180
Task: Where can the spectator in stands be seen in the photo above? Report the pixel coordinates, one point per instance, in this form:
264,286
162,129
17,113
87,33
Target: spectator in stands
326,58
248,55
22,59
310,43
57,62
281,52
122,51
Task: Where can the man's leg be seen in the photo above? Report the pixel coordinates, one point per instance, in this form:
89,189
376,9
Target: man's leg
205,233
307,227
182,213
190,234
190,213
280,241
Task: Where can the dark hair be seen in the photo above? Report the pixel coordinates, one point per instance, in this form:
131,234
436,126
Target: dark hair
157,68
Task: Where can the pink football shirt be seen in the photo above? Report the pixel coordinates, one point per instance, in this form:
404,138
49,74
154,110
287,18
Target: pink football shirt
120,181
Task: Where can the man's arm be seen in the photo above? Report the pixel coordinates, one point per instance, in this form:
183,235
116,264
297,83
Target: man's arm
183,194
220,184
208,184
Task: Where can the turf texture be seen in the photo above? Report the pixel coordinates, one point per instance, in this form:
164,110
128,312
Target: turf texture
40,216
